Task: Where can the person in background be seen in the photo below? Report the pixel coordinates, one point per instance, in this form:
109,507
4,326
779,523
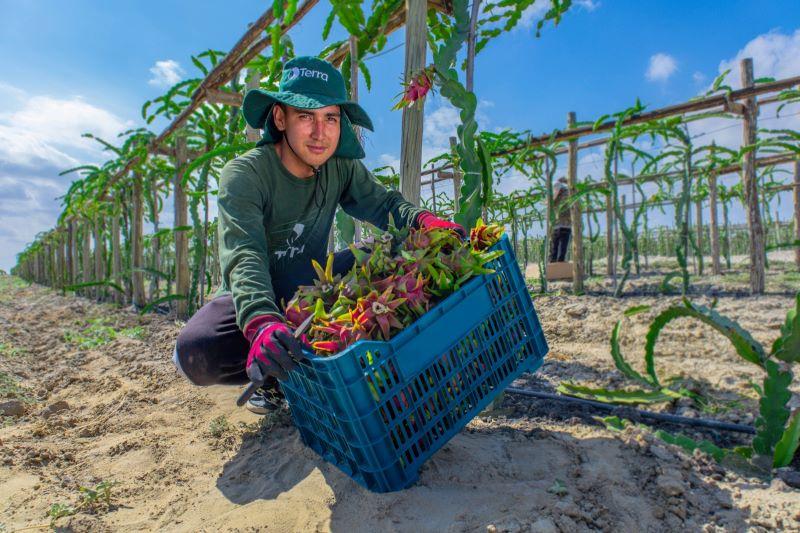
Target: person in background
562,229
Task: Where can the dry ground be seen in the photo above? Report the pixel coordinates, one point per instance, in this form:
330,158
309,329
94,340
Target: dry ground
103,403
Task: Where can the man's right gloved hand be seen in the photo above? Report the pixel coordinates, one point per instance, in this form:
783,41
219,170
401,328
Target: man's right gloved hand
272,346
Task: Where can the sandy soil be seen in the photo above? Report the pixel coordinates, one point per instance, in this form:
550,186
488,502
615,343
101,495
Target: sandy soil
186,459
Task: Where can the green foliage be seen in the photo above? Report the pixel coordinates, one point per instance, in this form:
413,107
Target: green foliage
558,488
787,346
619,359
104,283
744,344
472,157
97,497
622,397
773,413
345,227
11,351
97,333
91,499
60,510
219,426
787,445
774,438
158,301
614,423
11,388
690,445
504,15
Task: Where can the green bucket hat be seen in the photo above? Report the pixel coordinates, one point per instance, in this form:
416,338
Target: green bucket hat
308,83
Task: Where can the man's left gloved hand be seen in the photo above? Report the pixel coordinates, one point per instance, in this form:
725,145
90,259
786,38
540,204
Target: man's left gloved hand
427,219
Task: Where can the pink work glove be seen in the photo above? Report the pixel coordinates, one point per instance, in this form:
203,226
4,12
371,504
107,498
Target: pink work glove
427,219
272,347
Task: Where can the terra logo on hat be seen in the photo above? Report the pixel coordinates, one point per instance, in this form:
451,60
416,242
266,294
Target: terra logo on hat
296,72
308,83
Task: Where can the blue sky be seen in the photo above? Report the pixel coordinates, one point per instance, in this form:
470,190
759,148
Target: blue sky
81,66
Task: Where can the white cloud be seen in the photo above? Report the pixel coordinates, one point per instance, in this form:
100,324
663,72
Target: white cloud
27,149
588,5
699,78
661,67
533,13
166,73
44,127
389,160
10,92
774,54
40,136
441,121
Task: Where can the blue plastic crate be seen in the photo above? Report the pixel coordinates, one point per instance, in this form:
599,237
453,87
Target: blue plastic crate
379,410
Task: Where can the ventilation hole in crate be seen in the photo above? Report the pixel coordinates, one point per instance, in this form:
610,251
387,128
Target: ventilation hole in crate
378,380
393,371
412,395
390,410
418,387
372,389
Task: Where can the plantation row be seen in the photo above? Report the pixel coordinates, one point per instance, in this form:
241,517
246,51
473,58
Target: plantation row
99,248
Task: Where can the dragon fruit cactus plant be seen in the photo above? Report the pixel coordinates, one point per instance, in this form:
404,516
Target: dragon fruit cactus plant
395,280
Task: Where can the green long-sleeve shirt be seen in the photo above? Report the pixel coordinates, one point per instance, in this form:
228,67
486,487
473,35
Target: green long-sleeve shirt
271,221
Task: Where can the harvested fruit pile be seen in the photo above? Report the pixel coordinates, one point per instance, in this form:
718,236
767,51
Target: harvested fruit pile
395,280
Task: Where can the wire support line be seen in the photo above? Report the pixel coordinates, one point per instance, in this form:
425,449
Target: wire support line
383,52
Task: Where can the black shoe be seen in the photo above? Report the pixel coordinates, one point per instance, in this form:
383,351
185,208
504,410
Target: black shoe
265,400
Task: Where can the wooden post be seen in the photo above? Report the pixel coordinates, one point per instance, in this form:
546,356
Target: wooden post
137,244
155,243
182,278
72,252
727,241
590,255
797,211
48,265
716,266
116,258
61,258
87,258
99,257
252,81
625,244
433,192
548,176
750,183
411,137
611,259
575,211
456,179
698,209
354,97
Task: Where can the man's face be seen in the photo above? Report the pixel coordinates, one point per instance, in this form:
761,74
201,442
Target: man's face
312,133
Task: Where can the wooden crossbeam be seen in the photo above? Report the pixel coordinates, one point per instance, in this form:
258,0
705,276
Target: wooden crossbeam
700,104
776,159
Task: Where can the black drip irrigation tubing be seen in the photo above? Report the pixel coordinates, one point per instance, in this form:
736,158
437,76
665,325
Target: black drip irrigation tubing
649,415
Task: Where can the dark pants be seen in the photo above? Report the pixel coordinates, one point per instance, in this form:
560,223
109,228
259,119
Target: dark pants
211,348
559,244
